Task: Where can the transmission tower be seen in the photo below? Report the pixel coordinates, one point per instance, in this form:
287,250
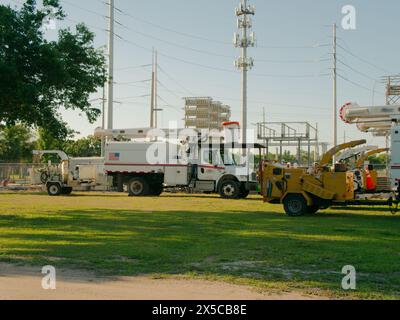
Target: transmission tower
244,41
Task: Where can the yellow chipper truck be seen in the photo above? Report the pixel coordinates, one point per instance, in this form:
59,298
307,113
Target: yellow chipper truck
307,190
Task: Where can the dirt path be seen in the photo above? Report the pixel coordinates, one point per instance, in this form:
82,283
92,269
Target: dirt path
24,283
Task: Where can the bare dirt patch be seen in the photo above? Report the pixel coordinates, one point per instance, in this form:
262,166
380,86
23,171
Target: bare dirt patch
24,283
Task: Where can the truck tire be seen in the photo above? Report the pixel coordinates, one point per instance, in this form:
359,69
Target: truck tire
54,189
312,209
229,189
66,190
295,205
138,187
244,193
156,189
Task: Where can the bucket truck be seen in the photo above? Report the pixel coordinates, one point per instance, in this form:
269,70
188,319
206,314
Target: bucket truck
177,158
382,121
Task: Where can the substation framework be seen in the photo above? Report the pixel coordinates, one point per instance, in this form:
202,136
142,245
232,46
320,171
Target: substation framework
392,89
283,135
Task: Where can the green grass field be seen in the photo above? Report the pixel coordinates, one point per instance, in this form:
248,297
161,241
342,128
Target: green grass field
243,241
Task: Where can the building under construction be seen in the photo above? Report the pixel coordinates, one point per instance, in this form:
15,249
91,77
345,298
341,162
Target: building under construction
204,113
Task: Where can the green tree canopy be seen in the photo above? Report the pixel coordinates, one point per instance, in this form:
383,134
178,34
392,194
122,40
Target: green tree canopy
37,76
16,144
85,147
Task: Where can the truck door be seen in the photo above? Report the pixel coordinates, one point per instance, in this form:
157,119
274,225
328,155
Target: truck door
211,167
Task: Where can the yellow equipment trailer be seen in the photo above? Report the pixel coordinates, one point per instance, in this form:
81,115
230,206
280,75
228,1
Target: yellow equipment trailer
304,191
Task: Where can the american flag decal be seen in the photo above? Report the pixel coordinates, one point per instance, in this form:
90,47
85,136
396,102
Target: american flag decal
114,156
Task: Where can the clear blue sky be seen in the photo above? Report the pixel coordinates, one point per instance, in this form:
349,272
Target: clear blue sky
286,78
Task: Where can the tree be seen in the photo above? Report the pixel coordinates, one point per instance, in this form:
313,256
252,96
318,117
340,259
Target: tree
288,157
85,147
37,76
16,144
381,159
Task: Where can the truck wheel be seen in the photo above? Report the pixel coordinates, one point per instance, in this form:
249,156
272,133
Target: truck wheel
244,193
229,189
138,187
312,209
295,205
66,190
156,189
54,189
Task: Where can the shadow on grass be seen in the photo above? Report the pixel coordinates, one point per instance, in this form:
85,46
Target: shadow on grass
363,208
260,247
124,194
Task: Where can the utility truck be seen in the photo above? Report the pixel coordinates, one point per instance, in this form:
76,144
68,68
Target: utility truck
146,161
381,121
157,159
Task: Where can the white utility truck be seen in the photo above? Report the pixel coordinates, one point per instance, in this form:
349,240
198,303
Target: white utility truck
381,121
169,159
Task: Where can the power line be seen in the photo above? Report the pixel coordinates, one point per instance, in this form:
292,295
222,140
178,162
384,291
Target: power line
133,82
202,51
89,25
193,36
314,46
359,85
166,88
172,30
134,67
362,59
175,81
218,68
355,70
85,9
146,35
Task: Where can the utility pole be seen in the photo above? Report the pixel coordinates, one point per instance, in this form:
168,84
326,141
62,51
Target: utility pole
103,121
335,114
154,92
152,100
266,151
111,66
244,63
156,110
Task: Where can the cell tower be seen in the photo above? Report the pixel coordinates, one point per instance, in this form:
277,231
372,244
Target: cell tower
244,41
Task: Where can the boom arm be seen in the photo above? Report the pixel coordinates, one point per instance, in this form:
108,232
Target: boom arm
327,157
61,154
361,161
354,152
143,133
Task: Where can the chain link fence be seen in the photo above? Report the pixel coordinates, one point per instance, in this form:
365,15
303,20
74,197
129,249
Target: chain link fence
19,173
